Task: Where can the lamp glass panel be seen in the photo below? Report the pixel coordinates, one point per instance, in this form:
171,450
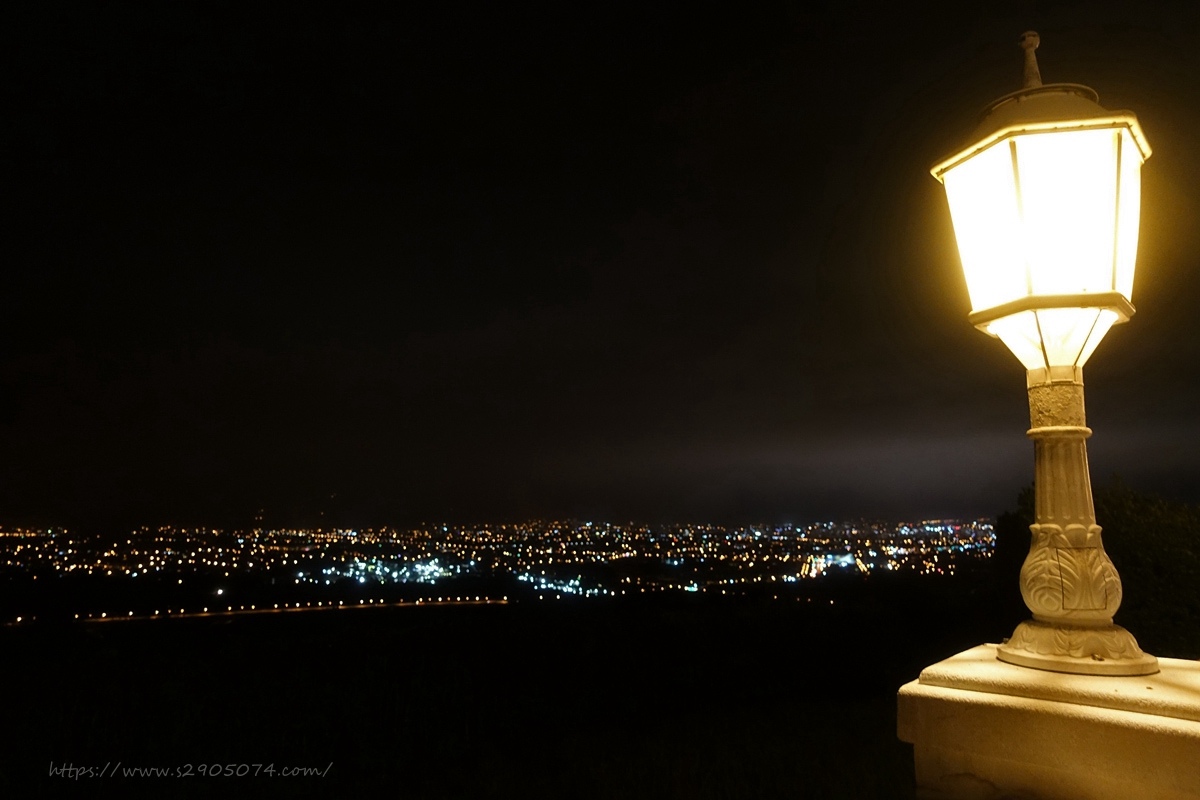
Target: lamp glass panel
1053,337
1105,321
1068,195
1020,333
983,207
1065,331
1129,208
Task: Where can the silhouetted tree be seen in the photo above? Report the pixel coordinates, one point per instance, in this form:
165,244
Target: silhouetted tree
1012,545
1155,545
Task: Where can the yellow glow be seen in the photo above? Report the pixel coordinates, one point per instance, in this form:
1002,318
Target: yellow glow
1068,193
1041,213
1130,204
984,208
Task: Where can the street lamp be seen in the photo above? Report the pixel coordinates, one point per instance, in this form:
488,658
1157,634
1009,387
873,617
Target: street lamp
1045,201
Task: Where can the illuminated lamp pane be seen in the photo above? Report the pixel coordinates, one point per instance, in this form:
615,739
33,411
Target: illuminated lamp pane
1068,183
1130,202
1103,323
1065,331
1020,333
983,206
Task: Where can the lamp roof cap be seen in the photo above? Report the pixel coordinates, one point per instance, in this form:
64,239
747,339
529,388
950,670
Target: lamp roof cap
1041,107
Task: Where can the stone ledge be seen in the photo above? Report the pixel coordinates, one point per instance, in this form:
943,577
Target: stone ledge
985,729
1174,691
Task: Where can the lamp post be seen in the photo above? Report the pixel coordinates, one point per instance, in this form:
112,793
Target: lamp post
1045,200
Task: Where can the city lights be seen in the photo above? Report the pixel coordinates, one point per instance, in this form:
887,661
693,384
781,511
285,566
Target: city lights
551,559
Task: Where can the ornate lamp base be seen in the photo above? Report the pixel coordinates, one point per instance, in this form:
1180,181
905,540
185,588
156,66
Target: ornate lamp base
1104,650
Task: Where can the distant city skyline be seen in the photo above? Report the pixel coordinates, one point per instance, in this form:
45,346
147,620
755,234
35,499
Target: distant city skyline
165,572
669,262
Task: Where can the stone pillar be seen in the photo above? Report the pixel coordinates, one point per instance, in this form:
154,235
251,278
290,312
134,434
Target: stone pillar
1068,581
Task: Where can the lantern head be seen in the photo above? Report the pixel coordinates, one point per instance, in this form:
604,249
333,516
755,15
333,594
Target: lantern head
1045,201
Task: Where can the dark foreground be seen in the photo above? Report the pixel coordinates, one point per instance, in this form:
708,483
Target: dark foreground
689,698
679,697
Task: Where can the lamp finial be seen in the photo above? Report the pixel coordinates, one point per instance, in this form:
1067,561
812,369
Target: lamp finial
1029,42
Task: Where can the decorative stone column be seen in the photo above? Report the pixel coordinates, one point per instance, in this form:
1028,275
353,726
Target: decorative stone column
1067,580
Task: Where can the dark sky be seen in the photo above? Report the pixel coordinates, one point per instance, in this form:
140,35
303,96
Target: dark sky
491,261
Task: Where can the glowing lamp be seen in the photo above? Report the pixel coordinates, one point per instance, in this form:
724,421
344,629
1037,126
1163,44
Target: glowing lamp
1044,201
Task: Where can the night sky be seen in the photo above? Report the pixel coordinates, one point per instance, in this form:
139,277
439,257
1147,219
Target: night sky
495,261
